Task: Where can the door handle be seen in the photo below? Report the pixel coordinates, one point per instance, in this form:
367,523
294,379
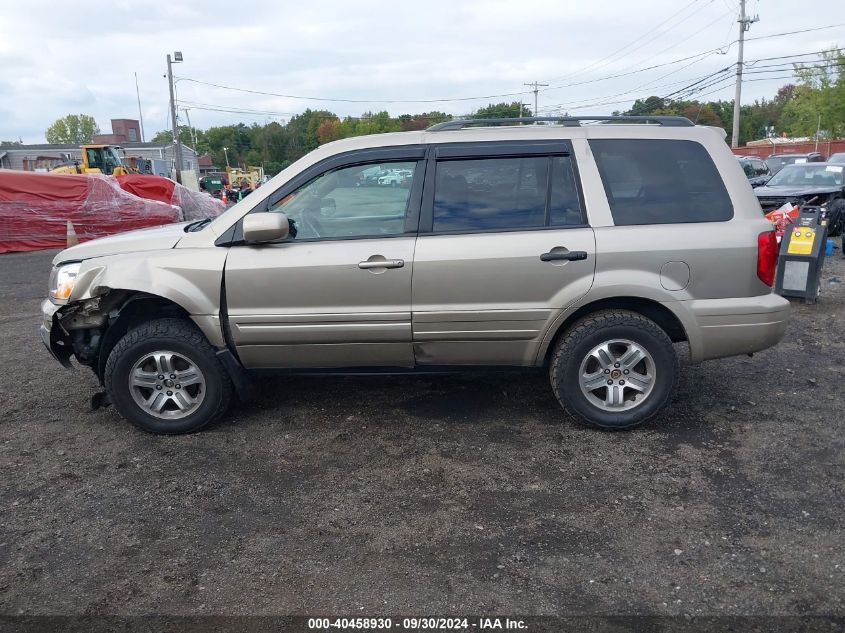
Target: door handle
384,263
572,256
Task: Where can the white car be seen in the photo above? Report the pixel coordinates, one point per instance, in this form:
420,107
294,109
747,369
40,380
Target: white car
394,178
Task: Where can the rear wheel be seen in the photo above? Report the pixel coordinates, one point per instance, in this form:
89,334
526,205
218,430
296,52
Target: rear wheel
614,369
165,378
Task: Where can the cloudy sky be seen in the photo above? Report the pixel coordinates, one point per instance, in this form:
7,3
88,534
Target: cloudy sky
62,57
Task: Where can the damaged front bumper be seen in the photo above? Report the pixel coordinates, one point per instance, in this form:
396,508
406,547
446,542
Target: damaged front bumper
51,334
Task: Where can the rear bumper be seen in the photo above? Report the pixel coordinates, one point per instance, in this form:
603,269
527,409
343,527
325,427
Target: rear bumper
729,327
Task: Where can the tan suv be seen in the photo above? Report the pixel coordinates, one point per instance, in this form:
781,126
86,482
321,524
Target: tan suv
585,246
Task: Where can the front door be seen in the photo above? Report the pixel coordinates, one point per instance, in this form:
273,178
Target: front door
338,293
503,247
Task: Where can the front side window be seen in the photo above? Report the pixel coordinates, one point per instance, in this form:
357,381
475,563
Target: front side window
660,181
359,201
504,193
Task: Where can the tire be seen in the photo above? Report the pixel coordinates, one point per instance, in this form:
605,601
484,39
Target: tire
836,218
137,367
598,345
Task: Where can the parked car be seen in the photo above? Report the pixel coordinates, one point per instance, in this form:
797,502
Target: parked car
837,158
817,183
585,251
395,178
776,162
756,170
369,177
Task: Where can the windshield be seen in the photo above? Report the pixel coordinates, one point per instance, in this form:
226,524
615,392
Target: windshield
817,175
111,159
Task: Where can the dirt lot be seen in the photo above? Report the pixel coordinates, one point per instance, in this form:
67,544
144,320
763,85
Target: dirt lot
428,495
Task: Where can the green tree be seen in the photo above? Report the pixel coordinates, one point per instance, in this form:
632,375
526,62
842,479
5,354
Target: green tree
10,143
502,111
412,122
185,137
272,168
819,97
72,129
651,105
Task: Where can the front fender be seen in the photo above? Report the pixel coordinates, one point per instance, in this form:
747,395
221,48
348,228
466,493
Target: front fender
190,277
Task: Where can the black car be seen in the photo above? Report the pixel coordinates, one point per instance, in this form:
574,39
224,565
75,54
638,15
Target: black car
776,162
808,183
756,170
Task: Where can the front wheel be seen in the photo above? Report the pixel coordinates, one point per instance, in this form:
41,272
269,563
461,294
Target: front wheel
614,369
836,218
165,378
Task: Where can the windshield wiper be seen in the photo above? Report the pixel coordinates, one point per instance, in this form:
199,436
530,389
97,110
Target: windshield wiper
197,226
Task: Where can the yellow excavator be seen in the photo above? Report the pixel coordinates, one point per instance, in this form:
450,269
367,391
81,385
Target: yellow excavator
96,159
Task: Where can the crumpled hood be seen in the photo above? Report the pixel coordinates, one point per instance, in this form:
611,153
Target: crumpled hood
783,192
152,239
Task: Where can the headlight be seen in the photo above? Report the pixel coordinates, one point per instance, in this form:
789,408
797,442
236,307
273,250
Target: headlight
62,280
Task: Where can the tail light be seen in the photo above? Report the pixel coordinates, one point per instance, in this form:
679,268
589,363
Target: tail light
767,257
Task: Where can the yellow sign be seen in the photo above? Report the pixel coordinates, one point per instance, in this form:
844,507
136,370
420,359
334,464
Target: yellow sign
802,241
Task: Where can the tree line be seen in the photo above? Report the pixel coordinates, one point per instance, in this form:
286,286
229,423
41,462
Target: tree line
275,146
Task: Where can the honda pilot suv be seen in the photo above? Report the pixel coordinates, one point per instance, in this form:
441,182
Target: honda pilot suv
585,247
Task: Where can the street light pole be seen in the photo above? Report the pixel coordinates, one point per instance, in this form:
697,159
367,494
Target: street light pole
176,140
226,154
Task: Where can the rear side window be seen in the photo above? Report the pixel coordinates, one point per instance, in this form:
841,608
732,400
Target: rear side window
660,181
505,193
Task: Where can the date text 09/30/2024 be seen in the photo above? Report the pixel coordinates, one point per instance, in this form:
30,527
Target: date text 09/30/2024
417,624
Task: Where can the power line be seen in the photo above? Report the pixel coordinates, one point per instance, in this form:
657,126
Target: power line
818,28
336,100
599,63
720,83
634,90
698,55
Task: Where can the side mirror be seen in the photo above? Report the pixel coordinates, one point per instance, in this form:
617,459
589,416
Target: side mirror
265,227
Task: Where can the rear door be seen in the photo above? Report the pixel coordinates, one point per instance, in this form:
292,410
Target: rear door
503,247
338,293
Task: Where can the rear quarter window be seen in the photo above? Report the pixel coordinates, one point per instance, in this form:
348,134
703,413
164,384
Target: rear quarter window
660,181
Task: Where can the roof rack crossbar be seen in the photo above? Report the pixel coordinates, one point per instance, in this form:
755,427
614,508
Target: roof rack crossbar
459,124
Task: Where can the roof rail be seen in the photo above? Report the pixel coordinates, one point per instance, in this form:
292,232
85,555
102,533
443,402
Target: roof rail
569,121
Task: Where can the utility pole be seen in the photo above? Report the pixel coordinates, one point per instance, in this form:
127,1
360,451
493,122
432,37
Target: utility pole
140,112
176,140
192,130
536,87
744,24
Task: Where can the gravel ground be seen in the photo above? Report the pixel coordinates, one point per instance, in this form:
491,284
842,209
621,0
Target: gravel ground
428,495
